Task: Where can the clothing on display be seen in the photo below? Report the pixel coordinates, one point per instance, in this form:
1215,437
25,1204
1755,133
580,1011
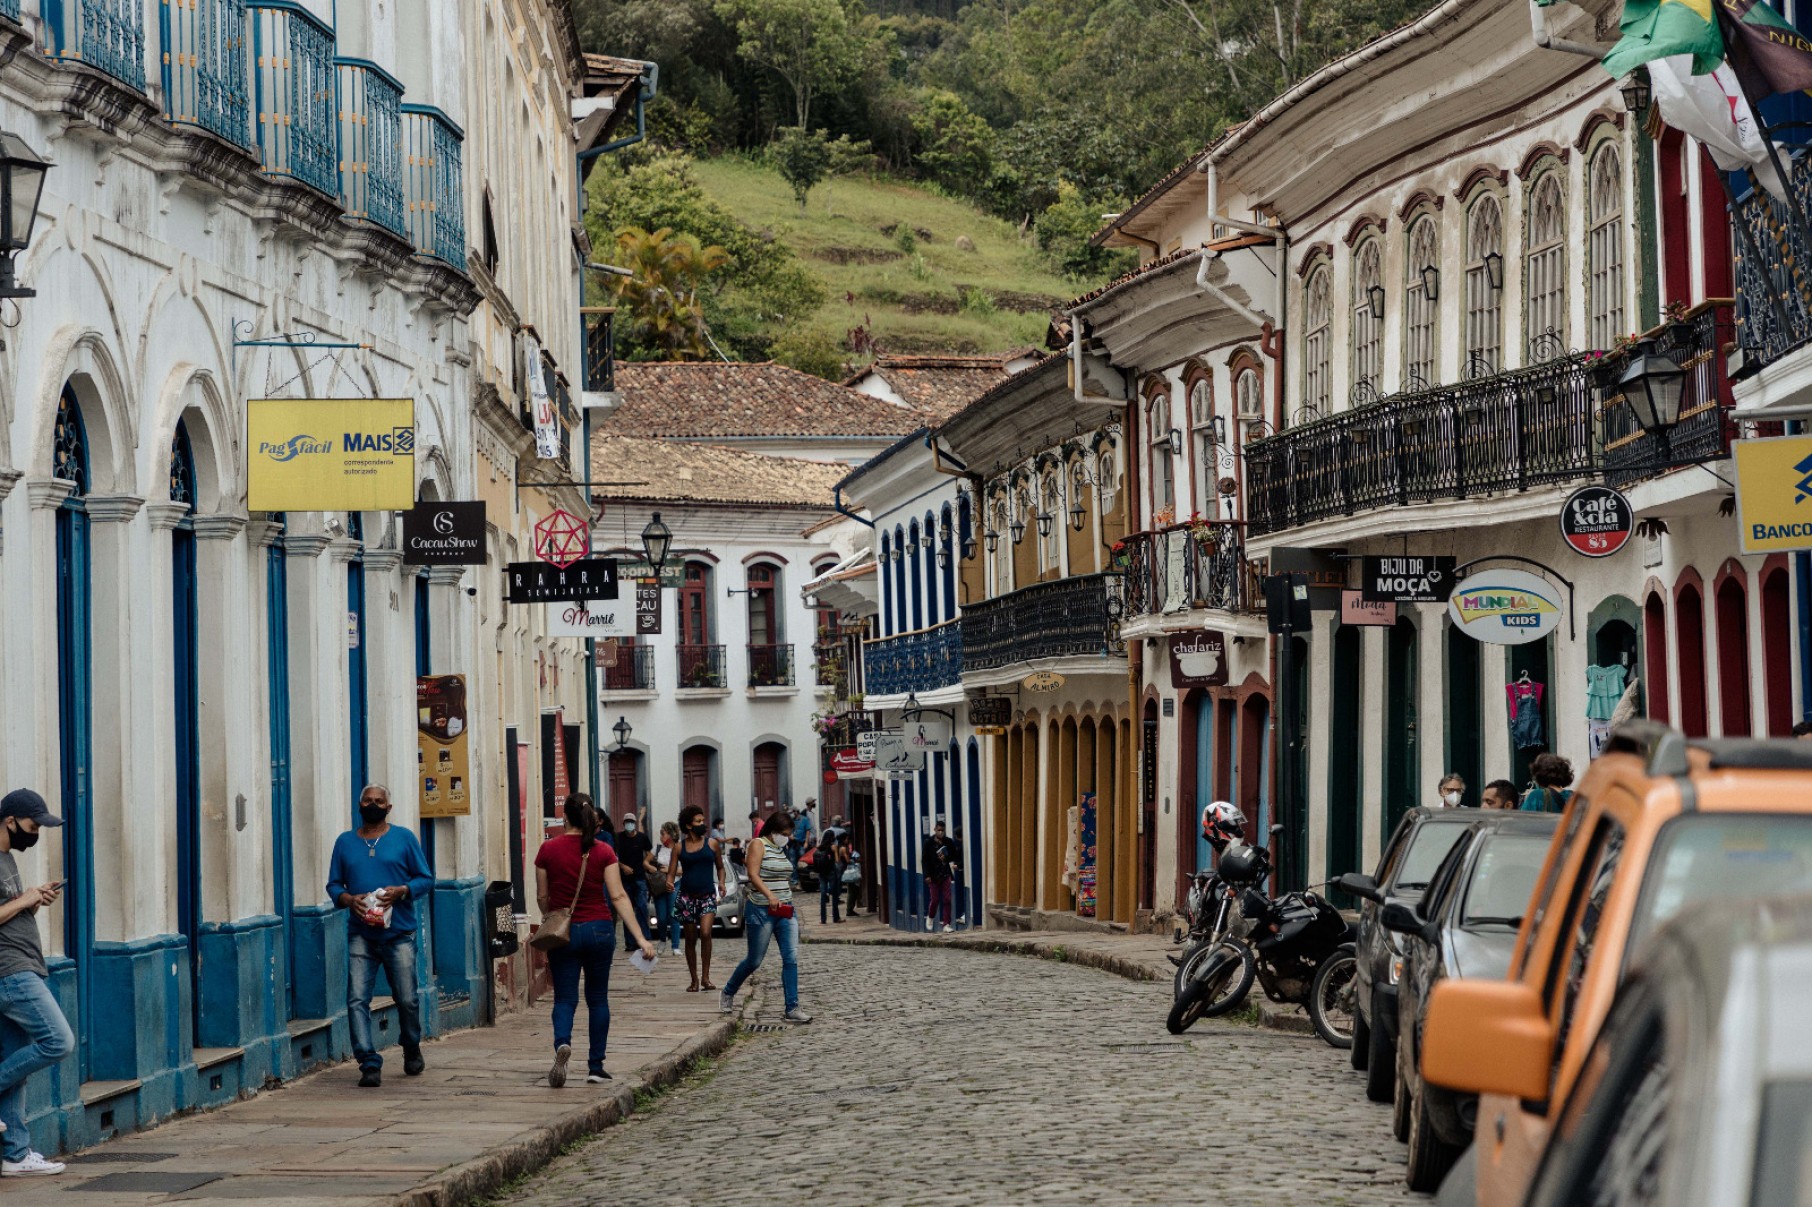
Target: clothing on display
1525,712
1597,733
1604,688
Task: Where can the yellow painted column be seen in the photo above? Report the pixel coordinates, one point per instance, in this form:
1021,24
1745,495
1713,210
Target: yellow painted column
1129,824
1057,815
1107,821
999,772
1028,817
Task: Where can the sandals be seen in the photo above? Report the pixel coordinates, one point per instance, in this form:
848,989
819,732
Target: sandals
707,985
692,988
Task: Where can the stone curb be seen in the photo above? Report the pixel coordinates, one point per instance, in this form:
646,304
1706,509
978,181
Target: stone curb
1286,1018
485,1174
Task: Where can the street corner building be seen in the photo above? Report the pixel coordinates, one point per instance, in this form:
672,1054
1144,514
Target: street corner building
294,202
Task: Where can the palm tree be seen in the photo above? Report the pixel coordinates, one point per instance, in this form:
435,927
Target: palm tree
661,298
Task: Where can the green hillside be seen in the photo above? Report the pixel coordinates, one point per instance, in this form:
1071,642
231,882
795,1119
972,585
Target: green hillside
912,292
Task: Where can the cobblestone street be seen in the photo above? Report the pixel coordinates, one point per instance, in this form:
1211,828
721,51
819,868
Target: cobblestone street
942,1076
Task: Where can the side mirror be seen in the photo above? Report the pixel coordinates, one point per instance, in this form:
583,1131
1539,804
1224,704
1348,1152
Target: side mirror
1487,1037
1400,918
1360,885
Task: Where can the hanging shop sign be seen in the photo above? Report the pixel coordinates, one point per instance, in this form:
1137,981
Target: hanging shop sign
990,710
1774,493
865,744
1597,521
894,756
590,618
1287,604
604,654
1411,578
848,764
538,582
444,534
672,572
1043,681
1355,609
647,609
330,454
1505,607
1323,573
440,753
926,732
541,401
562,538
1198,659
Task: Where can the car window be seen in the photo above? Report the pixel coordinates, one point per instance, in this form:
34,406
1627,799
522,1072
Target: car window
1440,885
1576,813
1503,877
1427,847
1710,856
1783,1151
1593,887
1387,863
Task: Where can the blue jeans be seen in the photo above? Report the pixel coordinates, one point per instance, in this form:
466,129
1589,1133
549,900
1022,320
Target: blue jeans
761,927
590,951
33,1035
637,891
663,916
397,955
830,897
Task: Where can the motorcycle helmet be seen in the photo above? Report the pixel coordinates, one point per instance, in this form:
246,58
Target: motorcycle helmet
1241,863
1222,823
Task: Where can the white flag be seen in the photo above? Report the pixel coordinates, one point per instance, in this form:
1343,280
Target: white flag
1712,109
547,422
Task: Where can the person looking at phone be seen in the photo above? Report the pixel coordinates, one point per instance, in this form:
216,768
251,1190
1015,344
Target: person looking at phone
769,914
33,1032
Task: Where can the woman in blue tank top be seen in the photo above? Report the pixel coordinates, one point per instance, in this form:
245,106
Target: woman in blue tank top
695,898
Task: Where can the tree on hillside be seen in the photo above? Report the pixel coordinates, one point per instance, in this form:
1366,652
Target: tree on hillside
814,45
661,298
955,144
802,158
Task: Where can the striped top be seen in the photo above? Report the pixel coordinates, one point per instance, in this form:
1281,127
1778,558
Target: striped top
776,870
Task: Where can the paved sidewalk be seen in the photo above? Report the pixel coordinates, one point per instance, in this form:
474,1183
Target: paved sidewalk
481,1115
1136,957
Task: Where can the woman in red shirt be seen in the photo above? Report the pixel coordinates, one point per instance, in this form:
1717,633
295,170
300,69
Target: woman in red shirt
575,871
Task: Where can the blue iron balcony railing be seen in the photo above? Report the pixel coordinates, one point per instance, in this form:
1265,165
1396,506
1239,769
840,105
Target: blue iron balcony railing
433,195
914,662
1070,617
1189,566
10,10
204,66
1774,292
371,144
293,86
108,35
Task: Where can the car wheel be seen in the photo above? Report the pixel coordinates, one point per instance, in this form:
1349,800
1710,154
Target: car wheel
1380,1063
1430,1157
1399,1107
1360,1055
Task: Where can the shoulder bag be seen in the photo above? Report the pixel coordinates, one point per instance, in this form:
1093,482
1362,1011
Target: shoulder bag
556,927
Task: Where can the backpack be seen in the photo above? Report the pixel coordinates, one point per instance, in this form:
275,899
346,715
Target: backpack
824,863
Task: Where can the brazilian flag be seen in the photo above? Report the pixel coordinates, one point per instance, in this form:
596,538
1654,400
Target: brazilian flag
1655,29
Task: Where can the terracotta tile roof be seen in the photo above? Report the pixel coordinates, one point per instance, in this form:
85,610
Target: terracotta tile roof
632,467
704,399
1150,266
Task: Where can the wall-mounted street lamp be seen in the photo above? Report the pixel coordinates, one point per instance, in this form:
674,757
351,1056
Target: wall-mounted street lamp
1653,385
1636,91
22,175
1494,270
1375,295
993,539
622,729
1078,514
1176,442
657,539
943,556
1018,529
1431,282
1044,523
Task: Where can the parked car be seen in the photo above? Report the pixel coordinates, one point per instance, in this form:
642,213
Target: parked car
1699,1088
1659,824
731,901
1416,847
1464,925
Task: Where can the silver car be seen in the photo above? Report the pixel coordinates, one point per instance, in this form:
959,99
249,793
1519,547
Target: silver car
730,902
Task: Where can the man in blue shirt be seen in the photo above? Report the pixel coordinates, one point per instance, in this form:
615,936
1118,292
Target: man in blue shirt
378,872
802,836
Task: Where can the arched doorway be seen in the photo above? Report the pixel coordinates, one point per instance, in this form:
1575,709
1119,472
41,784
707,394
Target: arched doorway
1346,759
1654,656
1732,597
1613,640
276,652
1148,805
1254,799
187,713
75,757
1465,711
1689,644
1531,664
1402,751
1777,650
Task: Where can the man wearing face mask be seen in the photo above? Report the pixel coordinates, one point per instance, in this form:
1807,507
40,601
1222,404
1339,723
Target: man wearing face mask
33,1032
378,872
633,848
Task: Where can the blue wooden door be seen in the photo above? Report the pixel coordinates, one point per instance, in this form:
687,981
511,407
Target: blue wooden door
1204,780
358,709
283,867
74,688
187,715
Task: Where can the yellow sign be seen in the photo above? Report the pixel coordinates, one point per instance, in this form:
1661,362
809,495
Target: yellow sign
1043,681
330,454
1774,493
441,767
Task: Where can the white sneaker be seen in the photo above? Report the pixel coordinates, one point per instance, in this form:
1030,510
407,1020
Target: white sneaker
726,1003
556,1076
35,1165
948,928
929,924
796,1015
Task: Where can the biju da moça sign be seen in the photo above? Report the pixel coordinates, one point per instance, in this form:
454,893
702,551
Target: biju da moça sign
1410,578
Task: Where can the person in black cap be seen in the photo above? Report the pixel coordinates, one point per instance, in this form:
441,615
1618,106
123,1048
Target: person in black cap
39,1035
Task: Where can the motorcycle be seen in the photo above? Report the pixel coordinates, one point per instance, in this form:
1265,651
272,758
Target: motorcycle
1297,946
1212,909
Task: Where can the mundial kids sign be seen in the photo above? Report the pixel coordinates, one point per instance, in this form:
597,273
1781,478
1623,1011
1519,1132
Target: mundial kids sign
330,454
1505,607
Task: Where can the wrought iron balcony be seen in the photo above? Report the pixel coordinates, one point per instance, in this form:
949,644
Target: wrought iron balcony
371,144
1774,294
1695,343
108,35
1486,436
1189,566
433,195
701,666
9,9
204,66
600,348
770,666
1066,618
293,89
632,671
915,662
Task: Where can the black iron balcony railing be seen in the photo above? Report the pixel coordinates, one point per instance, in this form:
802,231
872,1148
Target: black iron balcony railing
701,666
915,662
1065,618
770,666
600,348
1189,566
632,671
1774,294
1694,342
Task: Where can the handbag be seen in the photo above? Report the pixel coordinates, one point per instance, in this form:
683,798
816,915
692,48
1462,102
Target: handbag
659,884
782,909
556,927
852,874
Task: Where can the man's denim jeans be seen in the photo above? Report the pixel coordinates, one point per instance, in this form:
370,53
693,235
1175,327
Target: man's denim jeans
637,892
763,926
593,946
397,955
33,1035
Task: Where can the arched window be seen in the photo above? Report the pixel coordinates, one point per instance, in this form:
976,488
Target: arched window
950,535
900,554
1107,477
1317,312
1545,261
182,467
1689,642
1484,286
1201,423
1000,551
1249,395
1163,475
1050,527
1367,311
1421,309
1605,246
916,589
701,661
770,664
885,569
928,548
1732,604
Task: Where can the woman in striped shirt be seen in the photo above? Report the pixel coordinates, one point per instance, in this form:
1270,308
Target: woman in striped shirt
769,914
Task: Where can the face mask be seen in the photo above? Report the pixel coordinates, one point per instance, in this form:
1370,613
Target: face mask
22,840
699,828
374,814
629,827
1452,799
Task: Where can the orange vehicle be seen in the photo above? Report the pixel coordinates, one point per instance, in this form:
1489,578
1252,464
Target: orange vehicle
1660,824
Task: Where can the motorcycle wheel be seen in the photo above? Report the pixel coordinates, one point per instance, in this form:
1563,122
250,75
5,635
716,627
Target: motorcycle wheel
1187,965
1331,1006
1225,979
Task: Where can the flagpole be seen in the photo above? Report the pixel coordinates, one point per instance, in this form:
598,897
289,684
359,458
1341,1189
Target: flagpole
1749,244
